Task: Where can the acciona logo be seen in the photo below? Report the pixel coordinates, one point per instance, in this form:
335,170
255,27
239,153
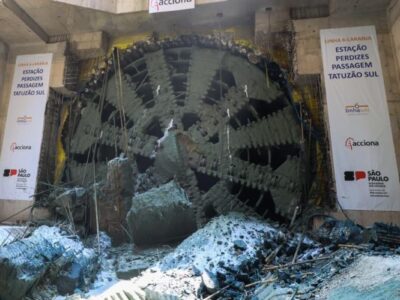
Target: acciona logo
15,147
170,2
352,143
170,5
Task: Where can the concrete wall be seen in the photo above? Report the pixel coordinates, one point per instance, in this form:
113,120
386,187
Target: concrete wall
9,207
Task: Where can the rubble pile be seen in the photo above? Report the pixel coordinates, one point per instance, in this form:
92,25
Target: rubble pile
23,263
348,246
304,278
233,257
207,258
230,251
112,195
239,257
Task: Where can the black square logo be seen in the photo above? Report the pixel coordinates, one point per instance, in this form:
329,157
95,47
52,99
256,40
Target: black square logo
349,176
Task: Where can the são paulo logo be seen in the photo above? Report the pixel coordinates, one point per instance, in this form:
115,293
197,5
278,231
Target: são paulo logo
354,175
15,147
10,172
352,143
376,176
372,176
14,172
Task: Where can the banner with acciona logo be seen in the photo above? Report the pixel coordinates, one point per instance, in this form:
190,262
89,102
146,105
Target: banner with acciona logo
156,6
20,153
363,153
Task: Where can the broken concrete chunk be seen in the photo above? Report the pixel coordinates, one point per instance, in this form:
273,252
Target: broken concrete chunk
24,262
70,198
340,232
239,245
113,200
119,176
160,215
270,292
133,263
69,279
210,281
71,204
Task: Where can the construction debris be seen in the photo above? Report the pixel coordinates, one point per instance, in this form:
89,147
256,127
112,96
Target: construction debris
24,263
227,251
341,232
8,234
161,215
72,204
132,262
386,234
232,257
113,200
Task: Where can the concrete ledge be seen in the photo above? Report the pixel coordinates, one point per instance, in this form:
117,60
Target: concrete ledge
89,44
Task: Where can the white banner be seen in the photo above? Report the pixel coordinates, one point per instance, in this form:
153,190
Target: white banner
361,137
156,6
23,134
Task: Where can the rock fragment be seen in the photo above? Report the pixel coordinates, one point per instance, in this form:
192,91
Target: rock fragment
113,199
210,281
132,263
239,245
160,215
